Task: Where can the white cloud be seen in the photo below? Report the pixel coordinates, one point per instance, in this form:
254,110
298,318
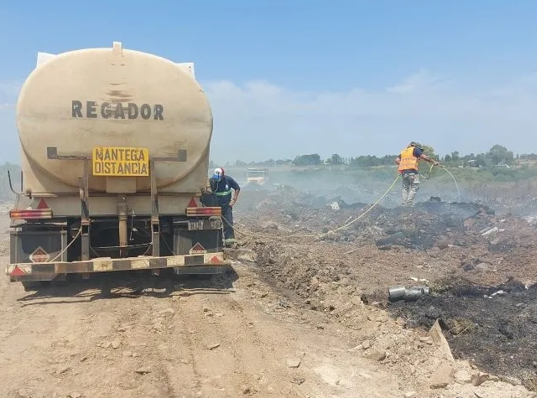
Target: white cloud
259,120
416,82
9,89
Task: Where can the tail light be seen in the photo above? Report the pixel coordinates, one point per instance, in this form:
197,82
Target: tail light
203,211
31,214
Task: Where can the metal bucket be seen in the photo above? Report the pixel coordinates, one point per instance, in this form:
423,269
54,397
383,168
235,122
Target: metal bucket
410,294
396,293
414,293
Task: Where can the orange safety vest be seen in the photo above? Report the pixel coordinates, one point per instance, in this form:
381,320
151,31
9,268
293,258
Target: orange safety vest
408,160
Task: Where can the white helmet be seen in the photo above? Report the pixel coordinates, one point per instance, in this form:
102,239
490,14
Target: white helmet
218,173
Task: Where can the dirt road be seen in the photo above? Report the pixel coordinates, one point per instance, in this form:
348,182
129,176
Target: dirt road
136,338
240,334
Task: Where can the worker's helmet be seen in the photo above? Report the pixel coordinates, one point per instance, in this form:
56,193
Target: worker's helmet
218,173
416,144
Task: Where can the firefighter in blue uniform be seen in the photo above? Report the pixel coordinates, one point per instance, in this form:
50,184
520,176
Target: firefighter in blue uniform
222,186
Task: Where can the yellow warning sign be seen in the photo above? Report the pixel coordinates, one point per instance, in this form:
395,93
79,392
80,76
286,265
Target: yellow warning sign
120,162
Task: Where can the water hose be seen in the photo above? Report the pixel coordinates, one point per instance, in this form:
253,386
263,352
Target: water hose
344,226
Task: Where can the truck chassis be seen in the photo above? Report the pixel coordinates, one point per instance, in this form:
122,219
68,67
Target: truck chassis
47,248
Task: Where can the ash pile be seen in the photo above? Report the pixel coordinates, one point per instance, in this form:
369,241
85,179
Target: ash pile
494,326
429,224
463,252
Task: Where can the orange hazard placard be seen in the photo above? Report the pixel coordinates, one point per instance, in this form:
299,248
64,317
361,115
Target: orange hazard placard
39,255
198,249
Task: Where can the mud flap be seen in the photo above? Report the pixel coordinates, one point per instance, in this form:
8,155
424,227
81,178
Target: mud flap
200,237
29,246
33,246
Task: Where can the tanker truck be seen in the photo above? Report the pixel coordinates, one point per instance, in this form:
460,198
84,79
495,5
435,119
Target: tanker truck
115,150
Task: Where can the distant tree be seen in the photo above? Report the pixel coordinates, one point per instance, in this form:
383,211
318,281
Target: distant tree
267,163
429,151
455,156
240,163
281,162
336,159
388,160
307,160
481,160
448,159
371,161
499,154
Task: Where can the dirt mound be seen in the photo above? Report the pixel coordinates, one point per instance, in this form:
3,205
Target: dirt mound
442,237
417,228
341,272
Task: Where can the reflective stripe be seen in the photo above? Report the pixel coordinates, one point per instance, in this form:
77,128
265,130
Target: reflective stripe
224,193
408,160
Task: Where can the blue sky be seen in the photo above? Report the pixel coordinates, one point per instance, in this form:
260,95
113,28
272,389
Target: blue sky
291,77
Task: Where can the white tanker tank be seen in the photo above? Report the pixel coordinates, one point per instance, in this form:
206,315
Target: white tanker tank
115,149
81,100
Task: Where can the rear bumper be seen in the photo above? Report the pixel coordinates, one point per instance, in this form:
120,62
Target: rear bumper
48,271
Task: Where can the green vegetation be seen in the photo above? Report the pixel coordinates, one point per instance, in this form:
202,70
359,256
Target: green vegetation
497,165
308,160
496,178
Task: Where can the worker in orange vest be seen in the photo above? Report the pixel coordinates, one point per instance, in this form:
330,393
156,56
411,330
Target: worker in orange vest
408,168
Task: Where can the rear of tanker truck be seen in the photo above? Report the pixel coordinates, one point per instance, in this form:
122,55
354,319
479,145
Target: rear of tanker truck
114,152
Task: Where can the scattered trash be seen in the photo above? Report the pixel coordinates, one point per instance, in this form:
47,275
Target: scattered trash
487,231
334,206
413,278
408,294
498,293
